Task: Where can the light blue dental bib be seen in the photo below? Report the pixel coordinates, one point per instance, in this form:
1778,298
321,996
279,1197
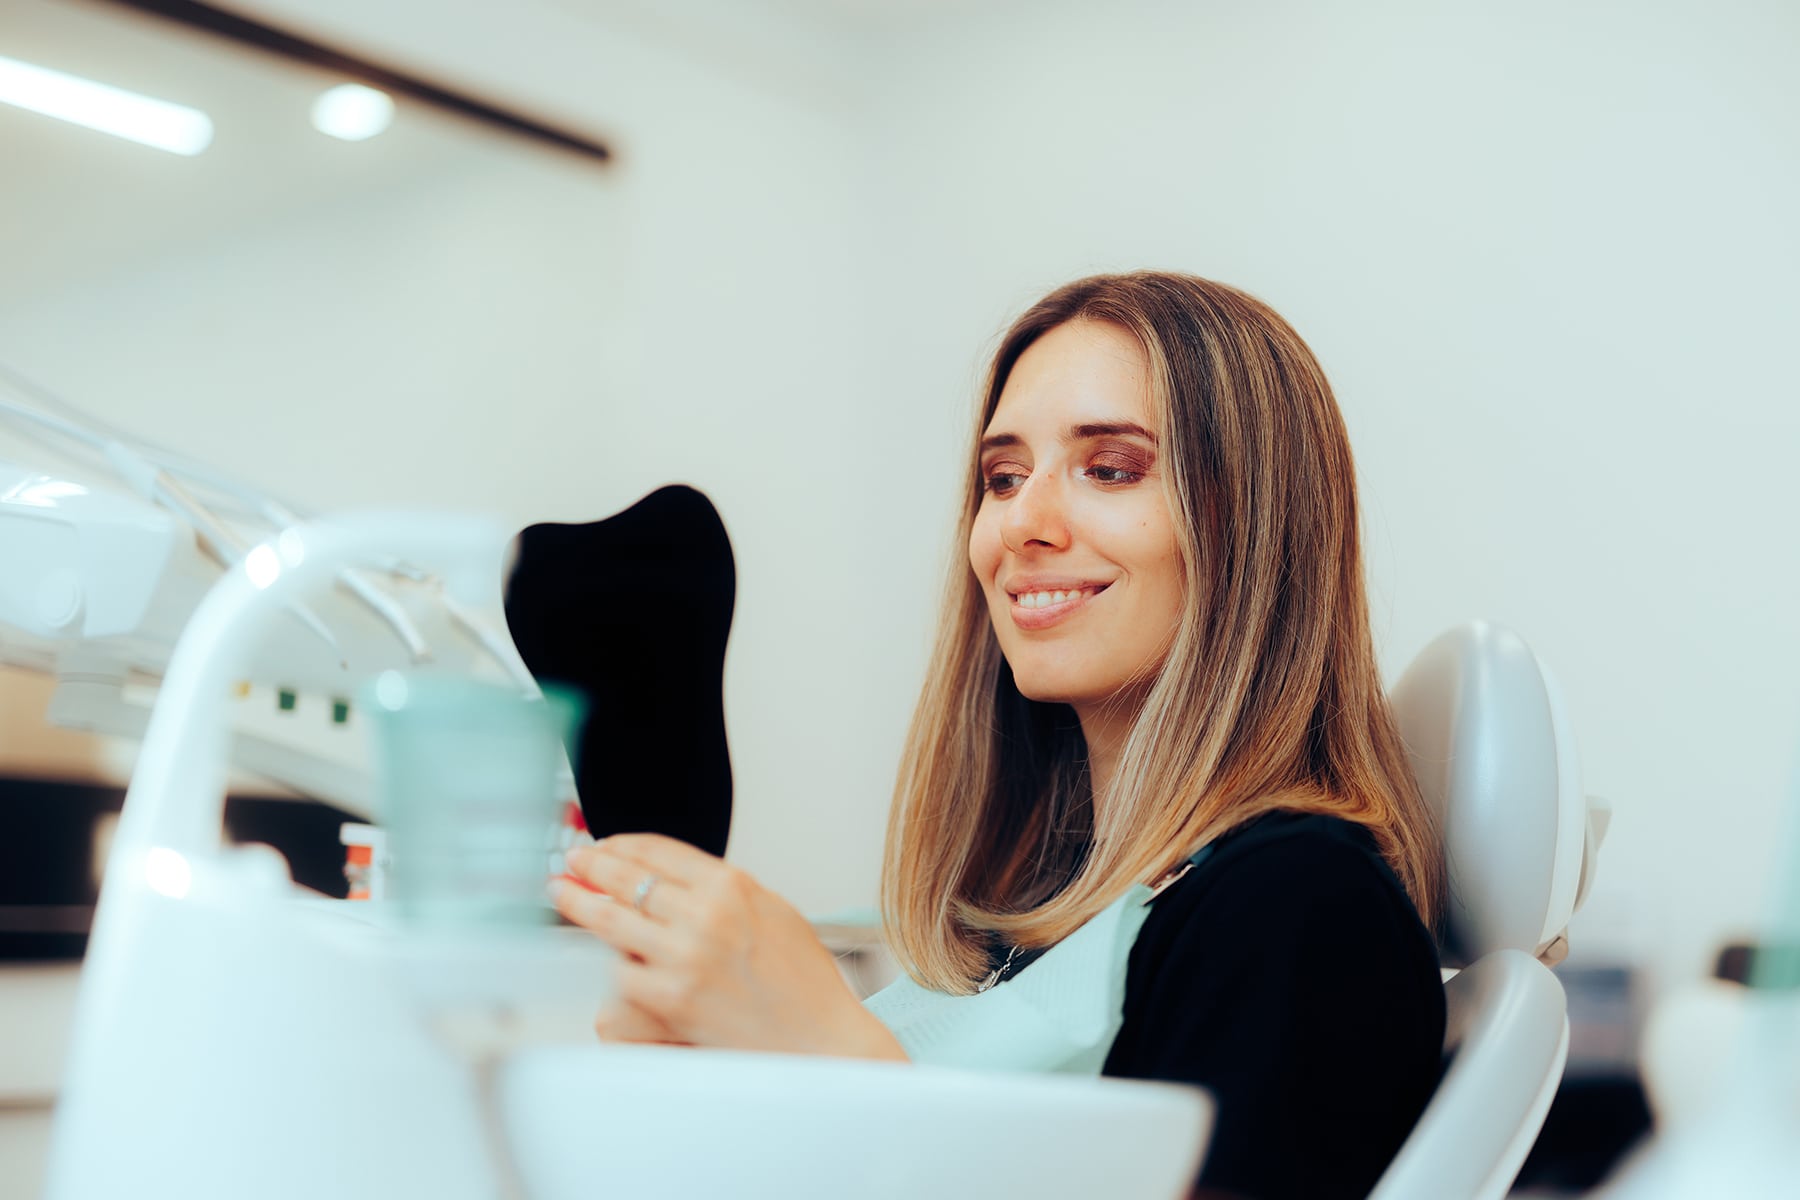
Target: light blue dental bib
1060,1014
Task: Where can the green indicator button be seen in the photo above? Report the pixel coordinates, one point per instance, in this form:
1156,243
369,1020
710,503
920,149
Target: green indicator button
286,699
340,711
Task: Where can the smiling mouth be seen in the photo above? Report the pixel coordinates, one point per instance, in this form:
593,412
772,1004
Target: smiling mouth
1050,599
1045,607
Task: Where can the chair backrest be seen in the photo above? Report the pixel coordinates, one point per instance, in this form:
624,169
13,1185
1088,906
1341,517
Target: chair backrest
1506,1040
1491,746
1489,737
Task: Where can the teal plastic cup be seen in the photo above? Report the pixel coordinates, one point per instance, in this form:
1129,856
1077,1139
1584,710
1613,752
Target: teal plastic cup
467,788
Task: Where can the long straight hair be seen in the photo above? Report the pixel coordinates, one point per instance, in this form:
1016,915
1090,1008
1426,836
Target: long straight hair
1270,697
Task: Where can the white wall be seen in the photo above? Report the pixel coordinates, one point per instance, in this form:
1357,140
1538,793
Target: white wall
1545,251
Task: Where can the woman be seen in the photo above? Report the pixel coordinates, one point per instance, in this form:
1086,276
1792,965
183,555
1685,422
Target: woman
1159,657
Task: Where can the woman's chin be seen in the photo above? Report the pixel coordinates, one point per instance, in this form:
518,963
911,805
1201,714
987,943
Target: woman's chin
1049,688
1087,693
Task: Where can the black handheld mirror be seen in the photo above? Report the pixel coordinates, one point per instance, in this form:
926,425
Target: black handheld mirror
633,612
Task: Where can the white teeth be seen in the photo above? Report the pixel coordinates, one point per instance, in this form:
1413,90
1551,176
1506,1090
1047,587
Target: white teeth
1045,599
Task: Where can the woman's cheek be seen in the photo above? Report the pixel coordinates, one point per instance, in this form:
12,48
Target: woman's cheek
984,547
979,536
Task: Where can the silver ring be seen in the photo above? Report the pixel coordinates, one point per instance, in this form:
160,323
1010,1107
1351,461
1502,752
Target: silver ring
644,888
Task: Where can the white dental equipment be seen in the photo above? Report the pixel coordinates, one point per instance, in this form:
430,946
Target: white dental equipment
231,1038
110,541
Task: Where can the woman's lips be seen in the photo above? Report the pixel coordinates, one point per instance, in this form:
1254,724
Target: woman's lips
1040,610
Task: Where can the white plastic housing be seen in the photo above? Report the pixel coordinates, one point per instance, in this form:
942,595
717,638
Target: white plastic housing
1507,1040
1494,754
218,1020
80,564
654,1121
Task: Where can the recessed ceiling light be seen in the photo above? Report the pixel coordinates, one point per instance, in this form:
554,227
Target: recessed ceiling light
172,127
352,112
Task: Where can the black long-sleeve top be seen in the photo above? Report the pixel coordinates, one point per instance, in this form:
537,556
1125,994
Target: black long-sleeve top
1290,976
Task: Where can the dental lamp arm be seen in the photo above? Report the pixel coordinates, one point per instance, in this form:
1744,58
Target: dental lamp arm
103,582
158,476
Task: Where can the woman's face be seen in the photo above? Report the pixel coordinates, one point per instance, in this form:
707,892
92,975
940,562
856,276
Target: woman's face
1073,543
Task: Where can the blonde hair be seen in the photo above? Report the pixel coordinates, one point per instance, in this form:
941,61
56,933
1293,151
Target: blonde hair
1270,697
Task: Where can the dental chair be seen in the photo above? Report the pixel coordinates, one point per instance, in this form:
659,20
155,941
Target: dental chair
1492,748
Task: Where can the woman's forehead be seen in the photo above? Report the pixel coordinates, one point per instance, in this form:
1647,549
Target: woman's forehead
1079,373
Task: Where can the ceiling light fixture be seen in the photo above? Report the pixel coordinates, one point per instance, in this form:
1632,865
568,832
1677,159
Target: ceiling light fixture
352,112
172,127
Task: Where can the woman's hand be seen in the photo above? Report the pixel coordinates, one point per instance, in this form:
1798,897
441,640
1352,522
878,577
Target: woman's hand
709,956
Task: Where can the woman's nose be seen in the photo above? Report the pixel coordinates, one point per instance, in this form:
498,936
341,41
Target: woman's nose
1037,516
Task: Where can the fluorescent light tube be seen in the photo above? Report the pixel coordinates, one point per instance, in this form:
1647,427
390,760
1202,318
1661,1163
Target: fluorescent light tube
172,127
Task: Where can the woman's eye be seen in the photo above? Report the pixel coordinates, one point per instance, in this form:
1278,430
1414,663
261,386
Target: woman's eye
1100,473
1002,482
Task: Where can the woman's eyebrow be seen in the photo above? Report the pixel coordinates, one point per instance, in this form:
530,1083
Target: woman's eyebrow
1111,429
1077,433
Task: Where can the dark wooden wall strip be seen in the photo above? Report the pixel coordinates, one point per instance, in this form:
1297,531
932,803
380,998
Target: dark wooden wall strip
252,33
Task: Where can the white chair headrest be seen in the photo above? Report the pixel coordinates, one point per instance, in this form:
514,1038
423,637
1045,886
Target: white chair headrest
1491,746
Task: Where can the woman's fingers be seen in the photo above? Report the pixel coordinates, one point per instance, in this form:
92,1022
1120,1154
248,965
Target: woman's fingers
657,875
628,882
714,959
625,1022
612,922
666,857
670,996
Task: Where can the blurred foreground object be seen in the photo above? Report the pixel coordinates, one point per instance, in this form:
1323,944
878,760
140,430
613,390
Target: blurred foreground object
217,1009
468,786
1736,1132
1722,1063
